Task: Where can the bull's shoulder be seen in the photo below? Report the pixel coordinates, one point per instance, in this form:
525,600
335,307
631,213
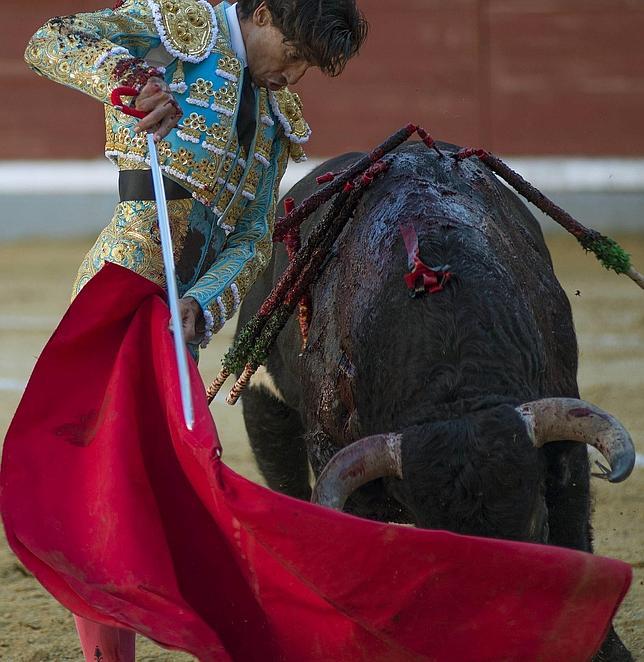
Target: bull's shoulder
308,185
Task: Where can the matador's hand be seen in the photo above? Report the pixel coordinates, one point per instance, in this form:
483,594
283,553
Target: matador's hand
192,320
164,113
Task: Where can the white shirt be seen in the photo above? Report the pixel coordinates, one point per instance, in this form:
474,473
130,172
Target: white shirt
236,39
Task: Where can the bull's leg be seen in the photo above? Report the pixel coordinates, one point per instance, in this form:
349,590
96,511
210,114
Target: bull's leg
568,495
613,650
568,501
275,433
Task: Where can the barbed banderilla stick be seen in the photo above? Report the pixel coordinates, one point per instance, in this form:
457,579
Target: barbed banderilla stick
606,250
303,278
337,182
216,385
238,356
369,166
302,273
241,384
293,243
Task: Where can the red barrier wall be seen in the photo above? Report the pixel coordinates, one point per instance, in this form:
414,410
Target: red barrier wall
516,76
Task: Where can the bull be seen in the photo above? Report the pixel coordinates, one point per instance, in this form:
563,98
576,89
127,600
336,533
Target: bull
441,404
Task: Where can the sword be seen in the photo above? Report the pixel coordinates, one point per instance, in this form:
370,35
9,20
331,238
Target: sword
173,296
168,256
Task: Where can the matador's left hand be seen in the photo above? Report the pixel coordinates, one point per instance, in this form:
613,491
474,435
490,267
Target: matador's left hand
192,319
163,112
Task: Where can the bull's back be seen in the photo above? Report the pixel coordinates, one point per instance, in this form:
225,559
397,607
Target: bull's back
501,326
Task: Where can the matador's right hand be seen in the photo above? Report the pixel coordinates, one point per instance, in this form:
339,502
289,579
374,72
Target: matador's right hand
164,113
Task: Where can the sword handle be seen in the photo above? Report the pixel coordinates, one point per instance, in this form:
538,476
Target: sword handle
125,91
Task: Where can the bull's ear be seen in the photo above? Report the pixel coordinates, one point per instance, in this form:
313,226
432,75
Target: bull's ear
361,462
569,419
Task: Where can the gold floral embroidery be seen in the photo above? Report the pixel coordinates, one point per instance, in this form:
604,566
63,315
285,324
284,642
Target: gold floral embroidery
297,152
192,127
251,181
200,92
205,172
48,56
290,106
66,49
229,68
225,101
216,139
264,140
123,140
223,201
229,301
223,35
129,163
181,163
234,214
132,240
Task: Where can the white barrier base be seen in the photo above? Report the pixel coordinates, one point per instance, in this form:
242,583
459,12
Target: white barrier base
63,198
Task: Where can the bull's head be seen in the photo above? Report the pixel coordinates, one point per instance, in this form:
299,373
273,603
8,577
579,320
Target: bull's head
545,420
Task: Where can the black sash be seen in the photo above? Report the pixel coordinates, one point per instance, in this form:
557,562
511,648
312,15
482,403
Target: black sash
137,185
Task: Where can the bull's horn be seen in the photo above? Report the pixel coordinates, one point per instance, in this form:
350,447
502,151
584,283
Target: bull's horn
557,419
357,464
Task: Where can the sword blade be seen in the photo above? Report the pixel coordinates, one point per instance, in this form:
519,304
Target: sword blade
173,295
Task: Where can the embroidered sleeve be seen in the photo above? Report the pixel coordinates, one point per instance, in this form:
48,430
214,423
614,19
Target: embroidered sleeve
95,52
245,254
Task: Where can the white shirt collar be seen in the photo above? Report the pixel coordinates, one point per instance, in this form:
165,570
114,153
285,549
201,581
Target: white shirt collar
236,39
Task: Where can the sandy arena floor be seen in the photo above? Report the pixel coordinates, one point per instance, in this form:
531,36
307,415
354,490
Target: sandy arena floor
35,280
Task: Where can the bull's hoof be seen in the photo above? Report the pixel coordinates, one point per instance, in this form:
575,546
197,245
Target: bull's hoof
613,650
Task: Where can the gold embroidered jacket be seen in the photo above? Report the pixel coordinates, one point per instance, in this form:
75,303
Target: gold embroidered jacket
222,236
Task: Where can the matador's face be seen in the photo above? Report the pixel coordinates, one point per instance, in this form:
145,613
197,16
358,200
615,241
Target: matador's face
272,61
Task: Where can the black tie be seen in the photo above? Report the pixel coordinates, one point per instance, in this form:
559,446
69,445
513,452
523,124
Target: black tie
246,114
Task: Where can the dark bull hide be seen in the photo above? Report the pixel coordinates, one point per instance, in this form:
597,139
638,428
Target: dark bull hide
445,371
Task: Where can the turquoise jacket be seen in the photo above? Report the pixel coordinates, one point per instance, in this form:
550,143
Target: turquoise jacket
222,235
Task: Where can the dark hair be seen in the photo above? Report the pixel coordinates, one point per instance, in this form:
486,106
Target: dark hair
326,33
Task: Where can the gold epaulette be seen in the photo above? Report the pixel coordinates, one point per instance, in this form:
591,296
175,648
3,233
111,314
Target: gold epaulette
288,108
187,28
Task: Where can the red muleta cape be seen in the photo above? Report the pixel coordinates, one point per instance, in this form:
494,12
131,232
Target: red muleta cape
129,519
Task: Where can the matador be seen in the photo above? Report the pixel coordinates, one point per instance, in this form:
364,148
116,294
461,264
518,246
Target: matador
212,84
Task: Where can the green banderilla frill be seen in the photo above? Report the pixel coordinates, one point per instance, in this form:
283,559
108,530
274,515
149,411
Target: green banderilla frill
260,350
608,252
239,353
